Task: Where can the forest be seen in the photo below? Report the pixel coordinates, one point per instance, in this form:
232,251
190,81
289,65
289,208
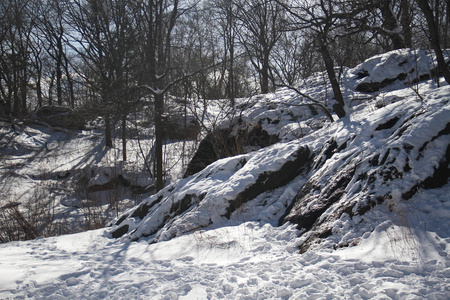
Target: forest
110,58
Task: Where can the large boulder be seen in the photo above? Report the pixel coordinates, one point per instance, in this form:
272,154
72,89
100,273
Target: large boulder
225,142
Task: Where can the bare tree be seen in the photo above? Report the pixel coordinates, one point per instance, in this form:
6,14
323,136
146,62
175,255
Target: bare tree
103,38
323,18
53,33
226,12
261,26
157,20
294,58
17,24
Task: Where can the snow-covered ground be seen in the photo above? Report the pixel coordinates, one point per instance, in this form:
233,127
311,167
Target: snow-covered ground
205,237
62,172
248,261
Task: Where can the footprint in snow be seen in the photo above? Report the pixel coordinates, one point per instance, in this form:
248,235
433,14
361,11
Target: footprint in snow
71,281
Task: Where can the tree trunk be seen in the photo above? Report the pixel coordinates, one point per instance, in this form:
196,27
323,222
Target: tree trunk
339,107
108,137
50,88
265,78
405,21
159,104
231,74
39,90
59,81
69,82
23,91
434,36
391,25
124,137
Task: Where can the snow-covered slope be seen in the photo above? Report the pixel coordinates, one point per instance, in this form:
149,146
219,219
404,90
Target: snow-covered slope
354,209
377,155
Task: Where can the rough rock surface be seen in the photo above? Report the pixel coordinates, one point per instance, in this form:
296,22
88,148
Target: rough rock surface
60,116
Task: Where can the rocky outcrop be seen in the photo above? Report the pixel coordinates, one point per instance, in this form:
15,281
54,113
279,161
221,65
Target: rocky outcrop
60,116
354,179
218,144
379,157
212,195
405,66
390,158
225,143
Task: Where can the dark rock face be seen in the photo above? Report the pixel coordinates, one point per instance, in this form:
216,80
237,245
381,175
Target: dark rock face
302,214
372,87
272,180
60,116
441,174
214,146
139,211
258,137
389,124
223,143
120,231
370,179
157,214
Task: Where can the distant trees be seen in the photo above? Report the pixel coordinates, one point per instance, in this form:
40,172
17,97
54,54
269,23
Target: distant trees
325,20
226,11
16,32
103,37
52,34
262,23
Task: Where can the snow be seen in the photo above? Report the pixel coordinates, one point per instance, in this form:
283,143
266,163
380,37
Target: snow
248,261
396,250
43,167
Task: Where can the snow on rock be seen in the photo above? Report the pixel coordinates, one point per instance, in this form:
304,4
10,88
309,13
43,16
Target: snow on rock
376,157
214,194
351,168
387,158
408,66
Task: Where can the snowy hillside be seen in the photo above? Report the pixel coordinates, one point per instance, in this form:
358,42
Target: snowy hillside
357,208
383,154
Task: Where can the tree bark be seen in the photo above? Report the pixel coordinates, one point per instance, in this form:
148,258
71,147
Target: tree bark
159,105
265,77
232,92
124,137
405,22
434,37
108,137
59,74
